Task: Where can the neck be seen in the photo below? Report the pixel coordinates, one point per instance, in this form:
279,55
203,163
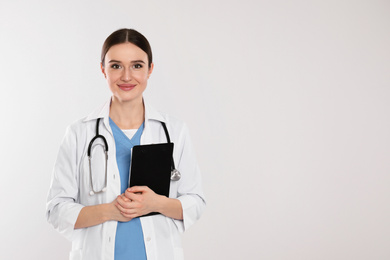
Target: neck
127,115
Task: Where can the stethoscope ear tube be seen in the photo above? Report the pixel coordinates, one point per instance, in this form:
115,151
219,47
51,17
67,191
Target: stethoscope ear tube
96,137
175,174
93,192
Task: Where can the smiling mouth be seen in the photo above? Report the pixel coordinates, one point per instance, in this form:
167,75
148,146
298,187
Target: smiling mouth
126,87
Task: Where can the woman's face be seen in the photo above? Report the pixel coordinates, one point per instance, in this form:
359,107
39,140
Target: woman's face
127,72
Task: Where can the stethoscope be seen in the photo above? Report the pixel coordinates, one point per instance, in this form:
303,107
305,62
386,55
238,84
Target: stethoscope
175,174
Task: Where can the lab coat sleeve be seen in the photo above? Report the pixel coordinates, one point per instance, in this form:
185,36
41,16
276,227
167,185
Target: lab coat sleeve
190,191
61,208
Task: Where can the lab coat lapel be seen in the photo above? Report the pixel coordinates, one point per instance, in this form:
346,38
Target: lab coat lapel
150,115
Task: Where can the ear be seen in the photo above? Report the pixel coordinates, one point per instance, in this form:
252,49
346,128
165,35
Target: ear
103,70
150,69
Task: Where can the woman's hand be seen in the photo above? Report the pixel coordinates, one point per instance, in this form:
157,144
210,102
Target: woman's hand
138,201
116,214
97,214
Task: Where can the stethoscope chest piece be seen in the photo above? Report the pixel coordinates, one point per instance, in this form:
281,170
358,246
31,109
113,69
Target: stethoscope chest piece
175,175
91,193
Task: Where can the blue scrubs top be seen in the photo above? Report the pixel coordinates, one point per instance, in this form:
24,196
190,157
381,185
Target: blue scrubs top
129,240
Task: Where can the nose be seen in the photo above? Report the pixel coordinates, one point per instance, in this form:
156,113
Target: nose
126,75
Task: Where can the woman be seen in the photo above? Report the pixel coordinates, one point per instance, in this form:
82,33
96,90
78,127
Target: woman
96,210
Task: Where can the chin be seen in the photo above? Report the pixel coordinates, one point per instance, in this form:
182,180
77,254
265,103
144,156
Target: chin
128,98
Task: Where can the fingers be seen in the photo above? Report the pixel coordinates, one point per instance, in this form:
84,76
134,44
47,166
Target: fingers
123,201
116,212
126,205
131,213
136,189
125,198
130,216
132,196
136,192
124,210
136,201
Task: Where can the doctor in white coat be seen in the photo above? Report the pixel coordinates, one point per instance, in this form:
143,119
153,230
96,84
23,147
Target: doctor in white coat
90,221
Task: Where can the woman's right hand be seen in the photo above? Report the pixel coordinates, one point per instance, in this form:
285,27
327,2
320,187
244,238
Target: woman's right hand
116,213
94,215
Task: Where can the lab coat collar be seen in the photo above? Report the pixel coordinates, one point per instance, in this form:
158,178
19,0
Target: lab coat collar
104,111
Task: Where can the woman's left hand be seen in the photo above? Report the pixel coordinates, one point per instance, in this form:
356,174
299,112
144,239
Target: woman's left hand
138,201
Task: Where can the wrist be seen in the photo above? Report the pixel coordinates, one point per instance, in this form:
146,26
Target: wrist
170,208
107,211
160,203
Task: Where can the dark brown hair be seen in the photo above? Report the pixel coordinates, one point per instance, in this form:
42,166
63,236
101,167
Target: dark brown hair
127,35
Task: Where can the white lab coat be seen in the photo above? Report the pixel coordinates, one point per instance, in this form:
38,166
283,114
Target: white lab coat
70,187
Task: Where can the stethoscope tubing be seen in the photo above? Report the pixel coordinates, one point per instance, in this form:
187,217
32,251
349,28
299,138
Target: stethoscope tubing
175,174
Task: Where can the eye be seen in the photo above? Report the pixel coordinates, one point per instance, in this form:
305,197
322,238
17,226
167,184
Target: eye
137,66
116,66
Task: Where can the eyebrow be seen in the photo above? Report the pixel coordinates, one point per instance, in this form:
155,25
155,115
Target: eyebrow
138,61
134,61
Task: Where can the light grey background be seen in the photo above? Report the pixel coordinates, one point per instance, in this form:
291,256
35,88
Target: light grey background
287,103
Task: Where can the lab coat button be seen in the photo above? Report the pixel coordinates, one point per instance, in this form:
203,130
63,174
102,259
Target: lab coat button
148,239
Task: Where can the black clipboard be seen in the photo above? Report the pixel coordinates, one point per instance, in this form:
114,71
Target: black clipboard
151,166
